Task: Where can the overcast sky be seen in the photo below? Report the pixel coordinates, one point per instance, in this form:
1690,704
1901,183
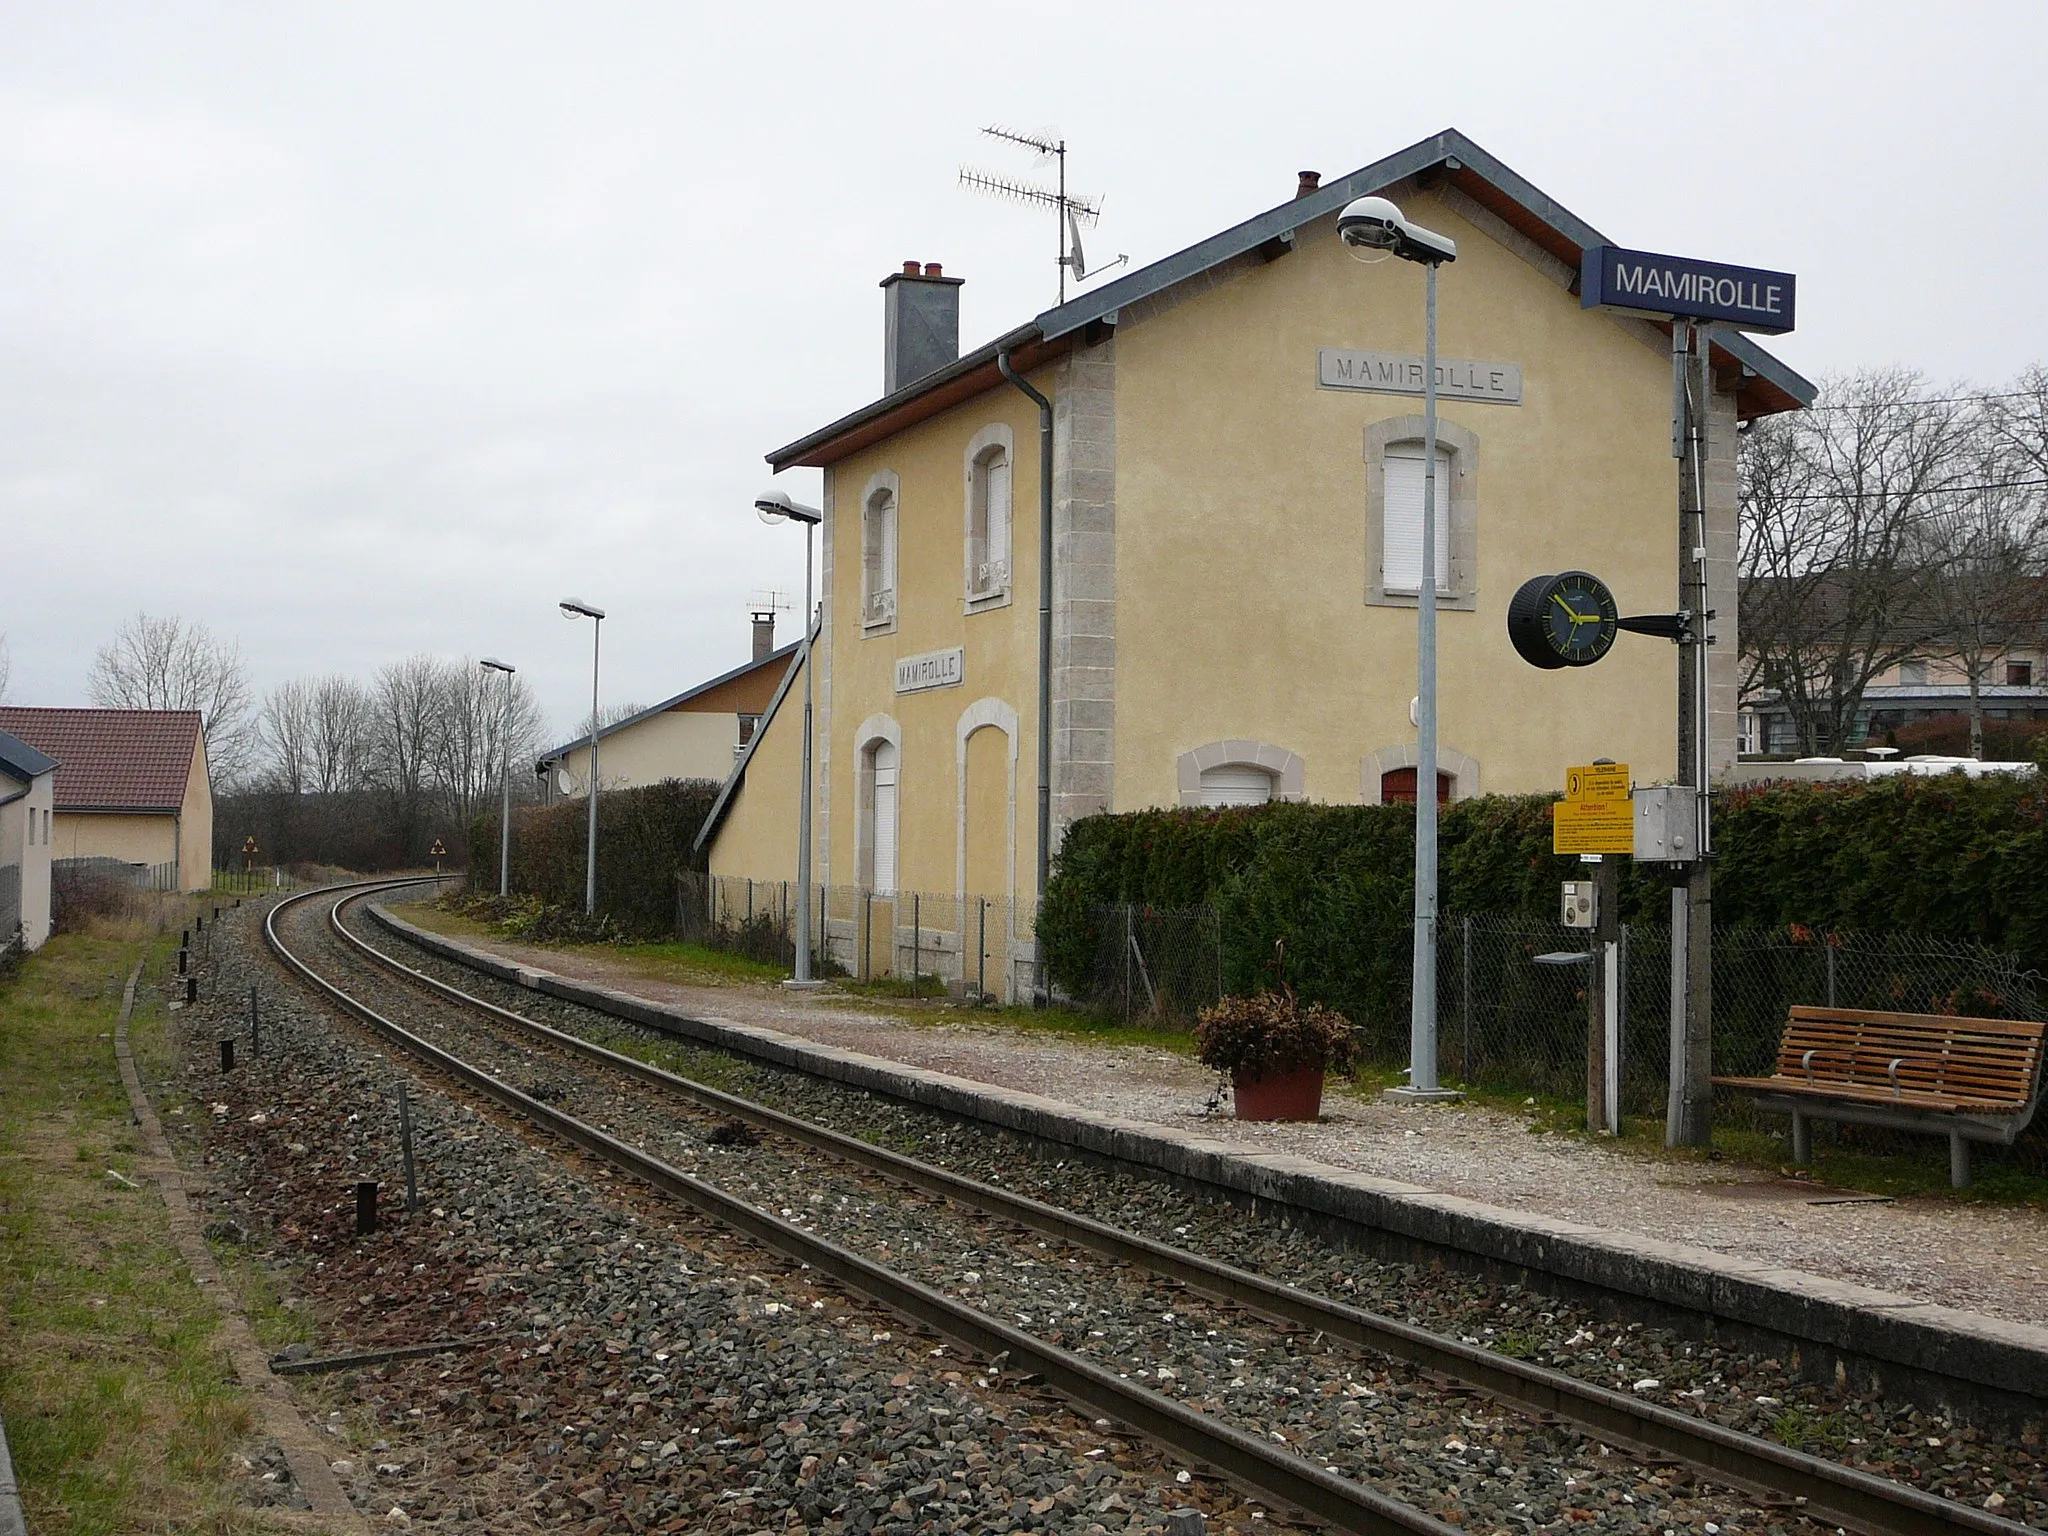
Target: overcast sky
355,330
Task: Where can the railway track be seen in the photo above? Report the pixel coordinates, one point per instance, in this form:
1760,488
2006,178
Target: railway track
1637,1440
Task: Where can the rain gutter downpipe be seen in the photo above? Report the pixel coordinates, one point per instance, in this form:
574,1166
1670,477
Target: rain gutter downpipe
1041,994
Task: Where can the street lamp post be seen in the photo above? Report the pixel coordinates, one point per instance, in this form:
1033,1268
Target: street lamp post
573,608
1373,224
776,506
491,663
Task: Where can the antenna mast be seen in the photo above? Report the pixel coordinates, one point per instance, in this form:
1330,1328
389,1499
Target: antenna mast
1069,209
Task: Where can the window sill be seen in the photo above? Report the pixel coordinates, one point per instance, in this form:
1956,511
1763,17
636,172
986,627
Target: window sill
982,602
1456,602
871,629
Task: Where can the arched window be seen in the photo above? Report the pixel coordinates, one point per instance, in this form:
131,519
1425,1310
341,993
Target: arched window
878,558
1236,784
988,527
882,769
1397,787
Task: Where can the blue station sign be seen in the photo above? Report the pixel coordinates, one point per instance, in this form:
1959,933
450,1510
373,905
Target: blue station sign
1680,288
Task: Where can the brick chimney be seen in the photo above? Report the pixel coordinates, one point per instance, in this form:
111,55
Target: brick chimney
764,633
1307,182
920,323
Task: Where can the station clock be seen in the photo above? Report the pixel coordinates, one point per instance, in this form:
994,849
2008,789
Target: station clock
1566,620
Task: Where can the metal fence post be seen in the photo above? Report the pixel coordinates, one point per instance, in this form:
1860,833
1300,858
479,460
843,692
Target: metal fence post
916,945
1831,969
981,950
867,935
1129,941
1465,994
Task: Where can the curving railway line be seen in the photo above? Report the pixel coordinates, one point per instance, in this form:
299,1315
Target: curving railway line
1182,1348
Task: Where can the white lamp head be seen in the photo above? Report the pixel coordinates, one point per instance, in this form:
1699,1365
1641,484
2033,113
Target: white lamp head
496,665
576,608
776,505
1375,224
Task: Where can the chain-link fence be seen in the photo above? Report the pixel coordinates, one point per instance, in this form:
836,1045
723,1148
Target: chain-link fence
10,903
1156,965
927,943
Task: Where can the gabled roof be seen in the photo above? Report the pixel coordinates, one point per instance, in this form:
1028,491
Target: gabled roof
780,654
113,759
21,761
1767,385
723,803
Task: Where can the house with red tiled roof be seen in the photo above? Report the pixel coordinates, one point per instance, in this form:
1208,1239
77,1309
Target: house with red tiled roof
131,784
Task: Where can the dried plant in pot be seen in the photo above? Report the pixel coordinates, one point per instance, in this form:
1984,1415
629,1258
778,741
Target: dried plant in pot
1274,1049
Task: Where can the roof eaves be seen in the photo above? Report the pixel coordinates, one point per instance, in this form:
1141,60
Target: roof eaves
554,754
23,760
981,357
716,814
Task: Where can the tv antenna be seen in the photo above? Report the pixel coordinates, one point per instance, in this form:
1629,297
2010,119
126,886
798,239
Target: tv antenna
1070,210
769,601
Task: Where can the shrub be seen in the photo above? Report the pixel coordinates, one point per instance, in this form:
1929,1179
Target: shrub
1269,1034
643,841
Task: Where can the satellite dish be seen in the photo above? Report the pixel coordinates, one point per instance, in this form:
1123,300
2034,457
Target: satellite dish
565,781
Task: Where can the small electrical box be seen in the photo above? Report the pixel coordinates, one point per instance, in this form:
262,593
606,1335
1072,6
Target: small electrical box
1667,824
1581,905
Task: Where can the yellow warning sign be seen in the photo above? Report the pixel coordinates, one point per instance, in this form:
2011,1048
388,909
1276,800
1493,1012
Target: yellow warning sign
1595,815
1597,782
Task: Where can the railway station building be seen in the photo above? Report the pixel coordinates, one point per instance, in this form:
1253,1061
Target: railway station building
1236,505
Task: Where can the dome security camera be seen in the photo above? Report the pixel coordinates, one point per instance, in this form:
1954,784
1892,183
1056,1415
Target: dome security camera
1373,223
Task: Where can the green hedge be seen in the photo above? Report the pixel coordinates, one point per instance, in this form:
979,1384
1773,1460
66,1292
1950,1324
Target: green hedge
643,839
1958,858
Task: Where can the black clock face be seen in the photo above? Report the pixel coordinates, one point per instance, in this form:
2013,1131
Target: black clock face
1567,620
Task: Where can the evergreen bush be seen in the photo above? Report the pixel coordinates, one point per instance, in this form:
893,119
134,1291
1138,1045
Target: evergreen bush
643,841
1947,856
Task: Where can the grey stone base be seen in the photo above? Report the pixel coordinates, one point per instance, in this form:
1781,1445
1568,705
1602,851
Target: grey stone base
1993,1371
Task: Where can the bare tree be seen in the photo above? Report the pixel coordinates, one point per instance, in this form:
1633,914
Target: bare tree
341,734
165,663
2018,420
406,709
486,714
1982,568
6,666
286,727
1836,505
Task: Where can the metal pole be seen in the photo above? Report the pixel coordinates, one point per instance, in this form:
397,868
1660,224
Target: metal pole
590,859
1039,992
1422,1076
412,1188
505,809
803,831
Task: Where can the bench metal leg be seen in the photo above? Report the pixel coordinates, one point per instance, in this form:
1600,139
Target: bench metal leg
1958,1161
1802,1138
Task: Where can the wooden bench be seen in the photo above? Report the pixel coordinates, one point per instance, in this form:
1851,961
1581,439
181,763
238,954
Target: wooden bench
1967,1079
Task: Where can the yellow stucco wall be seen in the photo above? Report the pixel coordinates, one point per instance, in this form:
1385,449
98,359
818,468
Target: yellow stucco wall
1241,553
930,463
135,839
757,839
1241,544
677,744
195,834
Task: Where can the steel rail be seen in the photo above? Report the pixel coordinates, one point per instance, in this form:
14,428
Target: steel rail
1841,1495
1275,1475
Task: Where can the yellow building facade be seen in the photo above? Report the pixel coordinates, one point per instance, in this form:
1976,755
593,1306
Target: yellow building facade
1235,499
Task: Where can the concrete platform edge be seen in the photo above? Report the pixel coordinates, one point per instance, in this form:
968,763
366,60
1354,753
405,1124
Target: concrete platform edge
1944,1342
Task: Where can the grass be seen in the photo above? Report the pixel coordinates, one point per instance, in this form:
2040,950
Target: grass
121,1409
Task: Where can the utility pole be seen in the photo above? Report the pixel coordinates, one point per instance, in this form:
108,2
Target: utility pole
1689,1106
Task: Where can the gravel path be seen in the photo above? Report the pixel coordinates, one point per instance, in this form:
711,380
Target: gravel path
644,1371
1991,1259
1760,1396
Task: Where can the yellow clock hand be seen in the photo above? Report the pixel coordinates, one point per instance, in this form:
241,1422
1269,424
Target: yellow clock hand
1567,607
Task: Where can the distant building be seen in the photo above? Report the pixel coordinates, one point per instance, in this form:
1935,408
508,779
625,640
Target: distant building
1917,689
27,798
131,784
698,734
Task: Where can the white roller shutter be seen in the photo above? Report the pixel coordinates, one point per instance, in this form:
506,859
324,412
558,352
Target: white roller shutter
1401,531
1236,784
999,512
885,819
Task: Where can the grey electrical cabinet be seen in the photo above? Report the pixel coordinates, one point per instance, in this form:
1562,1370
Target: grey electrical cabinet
1667,824
1581,904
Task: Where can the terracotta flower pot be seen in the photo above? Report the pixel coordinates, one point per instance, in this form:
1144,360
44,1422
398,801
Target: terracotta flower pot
1296,1095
